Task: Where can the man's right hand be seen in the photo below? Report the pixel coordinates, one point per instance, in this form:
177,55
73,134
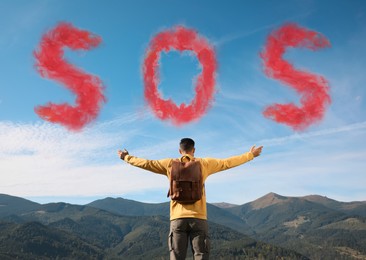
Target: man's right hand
256,151
122,154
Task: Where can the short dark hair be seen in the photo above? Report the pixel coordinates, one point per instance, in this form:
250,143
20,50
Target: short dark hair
186,144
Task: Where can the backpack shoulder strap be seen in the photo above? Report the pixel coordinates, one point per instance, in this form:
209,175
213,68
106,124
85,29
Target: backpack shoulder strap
174,175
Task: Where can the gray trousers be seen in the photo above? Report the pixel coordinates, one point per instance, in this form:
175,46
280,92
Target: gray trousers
188,229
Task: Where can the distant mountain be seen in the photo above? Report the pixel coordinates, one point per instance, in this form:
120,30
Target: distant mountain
350,208
130,207
315,226
10,205
65,231
133,208
224,205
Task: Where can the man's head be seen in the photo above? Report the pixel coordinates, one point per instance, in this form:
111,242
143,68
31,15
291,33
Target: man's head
186,146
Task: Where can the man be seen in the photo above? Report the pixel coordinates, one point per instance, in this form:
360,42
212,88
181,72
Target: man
188,221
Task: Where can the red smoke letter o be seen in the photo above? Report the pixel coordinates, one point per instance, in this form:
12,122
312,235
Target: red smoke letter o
180,39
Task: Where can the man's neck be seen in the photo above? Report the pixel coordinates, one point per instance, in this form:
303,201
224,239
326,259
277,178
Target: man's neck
189,154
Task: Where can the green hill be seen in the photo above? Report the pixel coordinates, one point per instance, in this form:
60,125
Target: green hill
114,228
315,226
65,231
33,240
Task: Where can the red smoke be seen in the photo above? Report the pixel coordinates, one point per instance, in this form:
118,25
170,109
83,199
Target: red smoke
87,88
180,39
312,88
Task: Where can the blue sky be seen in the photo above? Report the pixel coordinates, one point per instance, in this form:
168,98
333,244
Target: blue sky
46,162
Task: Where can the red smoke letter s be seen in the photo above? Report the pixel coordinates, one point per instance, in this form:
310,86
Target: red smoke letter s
312,88
87,88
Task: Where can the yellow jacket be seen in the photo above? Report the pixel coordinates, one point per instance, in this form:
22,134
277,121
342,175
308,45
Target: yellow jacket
208,165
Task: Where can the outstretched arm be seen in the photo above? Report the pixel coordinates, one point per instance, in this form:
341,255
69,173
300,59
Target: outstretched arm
216,165
157,166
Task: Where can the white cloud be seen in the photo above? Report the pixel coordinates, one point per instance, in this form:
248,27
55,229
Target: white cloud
319,133
328,162
44,160
239,35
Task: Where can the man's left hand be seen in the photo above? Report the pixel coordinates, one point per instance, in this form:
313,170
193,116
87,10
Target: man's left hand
122,154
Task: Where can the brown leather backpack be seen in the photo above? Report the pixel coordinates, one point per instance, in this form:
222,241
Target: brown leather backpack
186,185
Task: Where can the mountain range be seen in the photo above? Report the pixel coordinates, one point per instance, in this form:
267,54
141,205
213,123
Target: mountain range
271,227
